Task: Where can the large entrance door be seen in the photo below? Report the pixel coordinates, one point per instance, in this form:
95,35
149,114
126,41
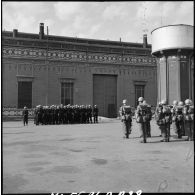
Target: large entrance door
24,94
105,94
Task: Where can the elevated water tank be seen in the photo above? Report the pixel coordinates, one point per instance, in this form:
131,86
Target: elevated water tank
178,36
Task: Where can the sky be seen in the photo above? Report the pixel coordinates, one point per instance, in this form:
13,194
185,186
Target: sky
127,20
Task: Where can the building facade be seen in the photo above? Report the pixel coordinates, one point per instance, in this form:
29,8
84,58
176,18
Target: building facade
39,69
173,45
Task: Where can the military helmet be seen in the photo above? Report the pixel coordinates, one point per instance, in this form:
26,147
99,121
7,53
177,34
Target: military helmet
144,102
187,101
180,103
140,99
124,101
163,102
175,102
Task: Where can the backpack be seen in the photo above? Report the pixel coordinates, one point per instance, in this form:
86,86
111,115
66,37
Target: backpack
188,113
126,113
144,113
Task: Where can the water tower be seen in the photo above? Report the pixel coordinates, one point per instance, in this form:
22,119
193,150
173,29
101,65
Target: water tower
173,46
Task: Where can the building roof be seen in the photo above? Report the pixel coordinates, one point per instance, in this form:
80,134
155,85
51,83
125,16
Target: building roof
74,40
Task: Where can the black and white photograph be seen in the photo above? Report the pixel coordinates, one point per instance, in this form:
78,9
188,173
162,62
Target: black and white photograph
97,97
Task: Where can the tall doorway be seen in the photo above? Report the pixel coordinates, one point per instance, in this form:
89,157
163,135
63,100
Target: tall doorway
105,94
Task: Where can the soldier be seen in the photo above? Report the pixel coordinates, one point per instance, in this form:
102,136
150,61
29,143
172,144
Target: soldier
179,119
43,116
89,114
61,114
159,116
189,119
76,110
141,118
69,114
36,115
125,114
166,121
65,115
174,116
95,114
149,118
57,117
39,115
25,116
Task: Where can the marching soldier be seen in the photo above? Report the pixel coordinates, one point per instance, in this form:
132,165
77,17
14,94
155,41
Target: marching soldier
141,118
125,114
25,116
149,118
158,116
166,121
95,114
179,119
174,116
189,119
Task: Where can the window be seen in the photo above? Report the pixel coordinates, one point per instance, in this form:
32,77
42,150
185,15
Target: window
139,92
67,93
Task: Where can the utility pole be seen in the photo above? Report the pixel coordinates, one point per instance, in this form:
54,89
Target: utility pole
47,64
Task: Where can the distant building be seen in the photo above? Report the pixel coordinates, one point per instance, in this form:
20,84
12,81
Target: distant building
40,69
173,45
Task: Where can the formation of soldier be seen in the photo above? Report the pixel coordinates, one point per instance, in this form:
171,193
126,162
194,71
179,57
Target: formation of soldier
69,114
180,116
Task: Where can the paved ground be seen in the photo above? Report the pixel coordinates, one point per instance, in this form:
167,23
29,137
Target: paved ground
92,158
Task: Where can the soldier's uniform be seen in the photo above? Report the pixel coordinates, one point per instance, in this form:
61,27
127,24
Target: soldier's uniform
174,116
159,115
179,119
142,118
39,115
61,114
25,116
65,115
165,122
125,114
43,116
95,114
36,115
89,114
189,119
148,118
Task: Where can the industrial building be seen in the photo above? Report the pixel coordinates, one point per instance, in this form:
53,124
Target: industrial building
41,69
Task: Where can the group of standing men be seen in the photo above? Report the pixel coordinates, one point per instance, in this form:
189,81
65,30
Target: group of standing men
69,114
180,116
